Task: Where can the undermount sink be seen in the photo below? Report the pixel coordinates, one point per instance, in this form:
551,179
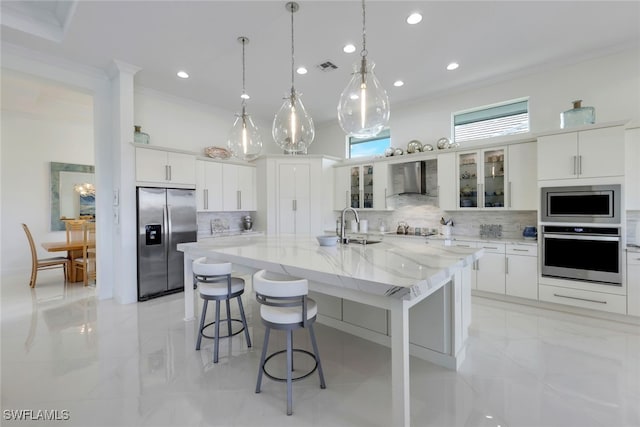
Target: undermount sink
364,241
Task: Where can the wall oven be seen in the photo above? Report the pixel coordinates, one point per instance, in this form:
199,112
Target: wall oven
591,254
581,204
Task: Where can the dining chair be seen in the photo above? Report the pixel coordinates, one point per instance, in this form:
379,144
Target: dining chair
87,261
75,234
43,263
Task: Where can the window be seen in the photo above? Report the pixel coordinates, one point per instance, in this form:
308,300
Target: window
507,118
369,147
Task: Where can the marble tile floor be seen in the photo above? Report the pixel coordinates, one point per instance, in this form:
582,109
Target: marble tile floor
107,364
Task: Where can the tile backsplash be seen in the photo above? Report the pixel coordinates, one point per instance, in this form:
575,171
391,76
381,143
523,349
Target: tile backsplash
225,222
633,218
420,211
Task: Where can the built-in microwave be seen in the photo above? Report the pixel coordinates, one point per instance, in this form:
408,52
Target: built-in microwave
581,204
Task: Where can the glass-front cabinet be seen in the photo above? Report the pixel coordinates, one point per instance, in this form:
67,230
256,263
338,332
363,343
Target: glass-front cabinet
361,186
481,179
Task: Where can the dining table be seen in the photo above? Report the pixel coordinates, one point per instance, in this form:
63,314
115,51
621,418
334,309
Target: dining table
71,248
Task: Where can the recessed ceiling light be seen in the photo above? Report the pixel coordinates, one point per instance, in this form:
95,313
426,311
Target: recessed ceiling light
301,70
183,74
349,48
452,66
398,83
414,18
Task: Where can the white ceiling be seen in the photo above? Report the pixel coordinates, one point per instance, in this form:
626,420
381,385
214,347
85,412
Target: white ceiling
491,40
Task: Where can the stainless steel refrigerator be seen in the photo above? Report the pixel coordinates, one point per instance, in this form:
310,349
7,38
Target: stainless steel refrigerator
166,217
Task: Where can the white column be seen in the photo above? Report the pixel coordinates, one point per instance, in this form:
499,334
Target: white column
124,215
400,390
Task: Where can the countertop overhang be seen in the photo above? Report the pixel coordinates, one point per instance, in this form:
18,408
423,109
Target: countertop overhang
399,269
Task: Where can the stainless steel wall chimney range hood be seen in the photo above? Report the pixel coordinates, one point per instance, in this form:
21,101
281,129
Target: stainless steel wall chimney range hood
414,178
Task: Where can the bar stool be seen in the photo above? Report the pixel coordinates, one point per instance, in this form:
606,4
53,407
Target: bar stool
285,306
215,283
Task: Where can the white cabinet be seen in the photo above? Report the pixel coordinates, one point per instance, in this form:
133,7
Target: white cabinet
294,204
238,191
589,153
365,316
481,179
491,268
295,194
632,169
522,271
522,187
165,167
361,186
447,181
633,283
209,186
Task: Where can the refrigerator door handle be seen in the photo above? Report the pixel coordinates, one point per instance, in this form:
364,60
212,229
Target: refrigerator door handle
167,227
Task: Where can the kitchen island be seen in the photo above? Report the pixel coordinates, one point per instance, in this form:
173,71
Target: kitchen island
395,276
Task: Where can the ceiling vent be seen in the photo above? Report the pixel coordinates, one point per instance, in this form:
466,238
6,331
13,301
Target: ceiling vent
327,66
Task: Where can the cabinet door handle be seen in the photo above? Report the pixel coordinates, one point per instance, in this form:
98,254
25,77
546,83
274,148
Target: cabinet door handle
239,199
295,205
579,165
489,247
506,265
385,198
580,299
520,250
206,198
509,189
362,198
346,198
463,246
575,165
166,173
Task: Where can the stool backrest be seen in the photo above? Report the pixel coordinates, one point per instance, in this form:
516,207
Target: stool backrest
206,267
279,285
278,290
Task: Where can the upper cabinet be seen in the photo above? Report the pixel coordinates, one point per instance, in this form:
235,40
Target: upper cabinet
588,153
238,191
165,167
209,186
447,181
481,179
361,186
522,187
632,166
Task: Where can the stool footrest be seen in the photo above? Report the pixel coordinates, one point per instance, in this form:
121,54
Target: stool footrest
221,336
295,350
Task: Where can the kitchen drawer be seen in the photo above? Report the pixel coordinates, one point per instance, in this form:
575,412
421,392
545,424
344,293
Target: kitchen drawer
497,248
526,250
584,299
633,258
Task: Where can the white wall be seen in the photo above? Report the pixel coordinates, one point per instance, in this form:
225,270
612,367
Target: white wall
611,84
32,137
179,123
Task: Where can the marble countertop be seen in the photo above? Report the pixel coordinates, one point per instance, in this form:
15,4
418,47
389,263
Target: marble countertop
397,268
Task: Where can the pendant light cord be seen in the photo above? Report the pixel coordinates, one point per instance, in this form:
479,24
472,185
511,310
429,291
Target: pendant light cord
364,52
292,49
244,41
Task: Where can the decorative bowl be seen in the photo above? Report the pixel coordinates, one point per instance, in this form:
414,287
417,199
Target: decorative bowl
217,152
443,143
327,240
388,152
398,152
414,146
427,147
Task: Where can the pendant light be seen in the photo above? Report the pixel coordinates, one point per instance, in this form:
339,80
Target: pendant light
363,109
244,139
293,129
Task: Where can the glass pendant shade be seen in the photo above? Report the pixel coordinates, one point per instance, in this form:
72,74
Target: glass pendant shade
293,128
363,109
244,139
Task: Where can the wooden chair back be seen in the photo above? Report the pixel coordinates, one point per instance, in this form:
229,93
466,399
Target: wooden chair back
75,230
32,246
